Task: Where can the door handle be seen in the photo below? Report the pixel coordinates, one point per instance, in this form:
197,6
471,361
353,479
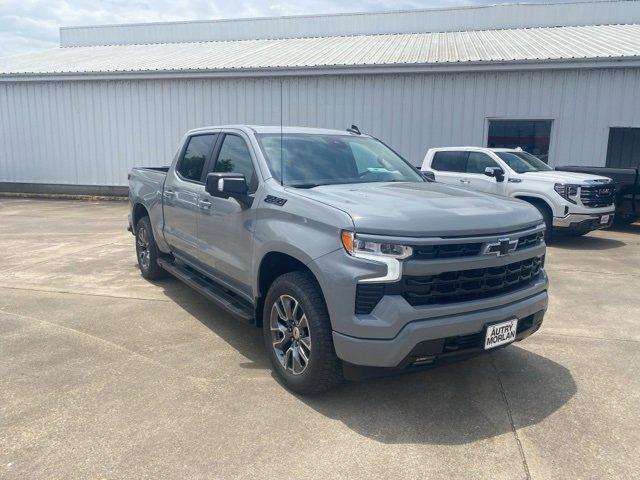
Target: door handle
462,180
204,204
168,193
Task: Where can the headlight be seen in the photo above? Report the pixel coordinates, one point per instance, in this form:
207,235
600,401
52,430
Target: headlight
567,191
388,253
359,248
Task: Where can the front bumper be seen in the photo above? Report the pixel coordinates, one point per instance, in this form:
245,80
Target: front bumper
433,333
580,222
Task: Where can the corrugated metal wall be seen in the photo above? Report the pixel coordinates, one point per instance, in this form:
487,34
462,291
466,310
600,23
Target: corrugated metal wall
92,132
433,20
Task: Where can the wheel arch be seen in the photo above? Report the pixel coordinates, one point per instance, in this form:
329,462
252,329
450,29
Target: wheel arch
273,264
536,200
139,211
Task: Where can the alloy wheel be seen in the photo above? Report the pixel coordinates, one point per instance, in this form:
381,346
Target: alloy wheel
142,244
290,334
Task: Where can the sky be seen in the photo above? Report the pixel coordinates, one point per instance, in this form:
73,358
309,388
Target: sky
32,25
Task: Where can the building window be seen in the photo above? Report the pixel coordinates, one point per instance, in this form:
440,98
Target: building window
532,136
624,148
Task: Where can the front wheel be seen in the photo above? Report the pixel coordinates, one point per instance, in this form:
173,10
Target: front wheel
298,336
547,216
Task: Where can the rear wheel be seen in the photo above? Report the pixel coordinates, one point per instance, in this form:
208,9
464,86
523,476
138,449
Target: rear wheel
147,251
298,336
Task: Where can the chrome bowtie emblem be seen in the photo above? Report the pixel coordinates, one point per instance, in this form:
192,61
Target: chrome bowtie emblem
504,246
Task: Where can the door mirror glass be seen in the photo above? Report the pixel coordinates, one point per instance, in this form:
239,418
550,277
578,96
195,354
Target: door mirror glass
225,185
495,172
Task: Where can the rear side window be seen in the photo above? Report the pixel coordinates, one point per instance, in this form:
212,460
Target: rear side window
235,157
477,162
449,161
192,162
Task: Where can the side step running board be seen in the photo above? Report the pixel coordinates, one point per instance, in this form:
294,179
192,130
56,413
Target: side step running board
218,295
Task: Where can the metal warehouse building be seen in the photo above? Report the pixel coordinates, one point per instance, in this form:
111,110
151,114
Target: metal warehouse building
560,80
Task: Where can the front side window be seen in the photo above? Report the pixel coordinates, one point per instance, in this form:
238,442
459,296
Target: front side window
477,162
309,160
523,162
533,136
192,162
235,157
449,161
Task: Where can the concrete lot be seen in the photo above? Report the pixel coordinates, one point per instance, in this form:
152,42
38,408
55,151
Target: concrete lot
105,375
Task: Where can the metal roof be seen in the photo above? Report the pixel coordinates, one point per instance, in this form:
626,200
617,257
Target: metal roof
444,49
476,17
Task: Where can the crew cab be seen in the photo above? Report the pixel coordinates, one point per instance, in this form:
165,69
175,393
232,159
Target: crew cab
571,203
349,259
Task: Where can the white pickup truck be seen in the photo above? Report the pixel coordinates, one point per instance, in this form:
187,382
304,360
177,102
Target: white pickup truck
572,203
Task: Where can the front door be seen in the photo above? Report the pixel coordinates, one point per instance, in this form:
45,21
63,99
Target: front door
477,162
225,226
182,189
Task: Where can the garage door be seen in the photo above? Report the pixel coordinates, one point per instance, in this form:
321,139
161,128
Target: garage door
624,148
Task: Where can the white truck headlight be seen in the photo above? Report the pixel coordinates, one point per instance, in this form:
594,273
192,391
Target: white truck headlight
387,253
567,191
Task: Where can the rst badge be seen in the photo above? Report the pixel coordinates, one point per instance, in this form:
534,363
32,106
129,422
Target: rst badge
504,246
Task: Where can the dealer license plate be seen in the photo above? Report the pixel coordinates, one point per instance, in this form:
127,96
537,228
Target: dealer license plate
604,219
500,333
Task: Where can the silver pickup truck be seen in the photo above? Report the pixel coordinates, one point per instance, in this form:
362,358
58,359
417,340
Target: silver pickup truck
351,261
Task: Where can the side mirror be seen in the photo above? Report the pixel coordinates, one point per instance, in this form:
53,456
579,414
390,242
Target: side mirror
429,176
225,185
495,172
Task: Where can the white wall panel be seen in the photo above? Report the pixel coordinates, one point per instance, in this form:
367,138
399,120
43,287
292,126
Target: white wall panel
92,132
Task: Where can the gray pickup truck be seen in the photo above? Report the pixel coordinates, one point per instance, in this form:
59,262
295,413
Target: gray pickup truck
350,260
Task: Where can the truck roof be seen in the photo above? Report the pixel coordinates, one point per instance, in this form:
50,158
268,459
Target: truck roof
274,129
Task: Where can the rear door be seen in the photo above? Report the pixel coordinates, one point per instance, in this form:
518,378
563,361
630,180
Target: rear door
449,167
183,187
225,226
477,162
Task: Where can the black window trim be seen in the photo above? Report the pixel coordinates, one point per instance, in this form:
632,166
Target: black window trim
216,152
203,174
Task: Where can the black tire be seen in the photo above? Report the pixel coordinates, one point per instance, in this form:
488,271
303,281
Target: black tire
323,370
147,251
547,216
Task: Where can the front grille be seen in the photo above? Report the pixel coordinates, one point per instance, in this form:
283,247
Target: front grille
597,195
465,285
453,250
451,287
530,240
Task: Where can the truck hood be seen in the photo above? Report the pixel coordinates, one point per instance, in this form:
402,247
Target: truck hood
556,176
424,209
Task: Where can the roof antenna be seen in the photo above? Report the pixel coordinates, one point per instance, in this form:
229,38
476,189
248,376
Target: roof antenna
354,129
281,152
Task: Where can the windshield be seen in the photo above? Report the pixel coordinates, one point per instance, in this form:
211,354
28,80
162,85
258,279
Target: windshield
523,162
310,160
